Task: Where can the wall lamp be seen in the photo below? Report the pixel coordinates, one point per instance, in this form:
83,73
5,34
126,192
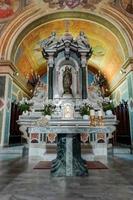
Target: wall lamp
16,73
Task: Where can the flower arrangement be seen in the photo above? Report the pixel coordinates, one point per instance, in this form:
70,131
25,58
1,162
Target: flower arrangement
108,106
49,109
84,109
24,105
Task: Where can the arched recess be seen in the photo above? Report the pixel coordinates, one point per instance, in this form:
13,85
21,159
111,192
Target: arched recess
17,31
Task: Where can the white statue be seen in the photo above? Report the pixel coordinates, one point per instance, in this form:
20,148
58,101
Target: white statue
39,95
82,39
51,39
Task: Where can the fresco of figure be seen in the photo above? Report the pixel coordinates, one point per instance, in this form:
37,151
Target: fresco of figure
67,80
72,3
63,3
5,9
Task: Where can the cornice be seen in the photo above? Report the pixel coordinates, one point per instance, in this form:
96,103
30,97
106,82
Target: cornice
17,78
7,63
127,66
127,63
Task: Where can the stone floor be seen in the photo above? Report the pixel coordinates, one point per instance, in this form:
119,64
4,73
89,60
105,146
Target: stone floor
19,181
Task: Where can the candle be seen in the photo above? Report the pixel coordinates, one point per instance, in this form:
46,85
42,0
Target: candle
99,113
92,112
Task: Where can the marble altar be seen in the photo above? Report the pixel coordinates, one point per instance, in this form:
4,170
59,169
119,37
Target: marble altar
67,89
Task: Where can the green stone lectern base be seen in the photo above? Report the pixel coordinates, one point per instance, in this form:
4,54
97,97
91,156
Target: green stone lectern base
69,161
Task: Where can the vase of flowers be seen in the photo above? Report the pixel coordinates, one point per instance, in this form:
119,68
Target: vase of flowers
85,111
24,106
108,108
48,110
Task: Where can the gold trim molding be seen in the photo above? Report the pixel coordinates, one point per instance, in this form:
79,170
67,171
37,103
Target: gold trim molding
127,65
17,78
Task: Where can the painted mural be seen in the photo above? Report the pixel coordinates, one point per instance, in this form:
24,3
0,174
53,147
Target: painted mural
127,5
123,6
8,8
61,4
105,47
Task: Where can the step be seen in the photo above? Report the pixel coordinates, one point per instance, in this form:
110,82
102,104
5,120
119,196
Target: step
11,150
52,156
85,148
121,150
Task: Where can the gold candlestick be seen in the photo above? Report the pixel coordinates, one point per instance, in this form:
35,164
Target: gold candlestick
100,120
92,120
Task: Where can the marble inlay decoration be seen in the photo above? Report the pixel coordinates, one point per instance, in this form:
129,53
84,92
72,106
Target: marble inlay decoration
2,103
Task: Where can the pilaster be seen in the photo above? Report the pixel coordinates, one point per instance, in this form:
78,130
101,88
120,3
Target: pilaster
130,102
6,80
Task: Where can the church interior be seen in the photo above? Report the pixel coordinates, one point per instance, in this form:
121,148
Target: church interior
66,99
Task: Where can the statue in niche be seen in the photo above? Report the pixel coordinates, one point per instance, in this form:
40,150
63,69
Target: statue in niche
67,80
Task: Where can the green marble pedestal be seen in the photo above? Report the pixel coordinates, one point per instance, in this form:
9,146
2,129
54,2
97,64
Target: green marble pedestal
69,161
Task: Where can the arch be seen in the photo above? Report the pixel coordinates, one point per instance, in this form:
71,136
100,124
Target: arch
58,80
71,61
18,29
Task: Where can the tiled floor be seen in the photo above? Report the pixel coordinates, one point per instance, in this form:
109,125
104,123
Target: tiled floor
19,181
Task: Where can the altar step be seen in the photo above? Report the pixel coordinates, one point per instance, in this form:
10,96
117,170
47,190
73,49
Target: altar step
121,150
51,148
85,148
11,150
52,156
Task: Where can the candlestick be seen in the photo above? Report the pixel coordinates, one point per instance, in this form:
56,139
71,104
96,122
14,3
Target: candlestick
99,113
92,112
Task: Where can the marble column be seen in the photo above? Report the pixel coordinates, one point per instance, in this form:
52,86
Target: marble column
84,76
50,83
50,76
69,161
84,82
69,155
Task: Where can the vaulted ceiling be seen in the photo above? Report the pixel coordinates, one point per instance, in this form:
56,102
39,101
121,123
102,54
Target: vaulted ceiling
108,54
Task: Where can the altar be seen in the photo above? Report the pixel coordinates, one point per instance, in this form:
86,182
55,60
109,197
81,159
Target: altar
60,109
69,160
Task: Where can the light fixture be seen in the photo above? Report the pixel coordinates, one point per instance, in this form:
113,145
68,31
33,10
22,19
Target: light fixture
16,73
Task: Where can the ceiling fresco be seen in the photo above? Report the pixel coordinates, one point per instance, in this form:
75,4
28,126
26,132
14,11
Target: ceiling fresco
127,5
107,52
73,3
9,7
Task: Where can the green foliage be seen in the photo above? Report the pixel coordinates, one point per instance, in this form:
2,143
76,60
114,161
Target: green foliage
24,107
84,109
108,106
49,109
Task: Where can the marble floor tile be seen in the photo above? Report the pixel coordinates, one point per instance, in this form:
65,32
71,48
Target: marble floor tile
19,181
